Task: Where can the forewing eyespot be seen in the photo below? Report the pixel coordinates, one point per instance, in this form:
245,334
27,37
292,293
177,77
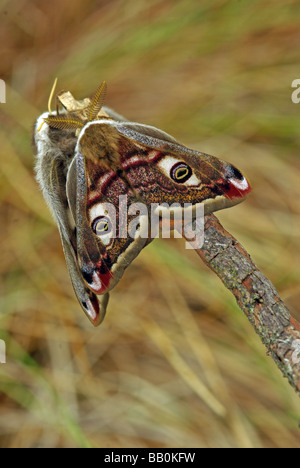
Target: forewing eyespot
102,226
180,172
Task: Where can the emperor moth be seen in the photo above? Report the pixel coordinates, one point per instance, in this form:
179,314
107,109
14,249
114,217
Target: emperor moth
88,159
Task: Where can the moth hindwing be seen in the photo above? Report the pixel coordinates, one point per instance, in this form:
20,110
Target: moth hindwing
101,177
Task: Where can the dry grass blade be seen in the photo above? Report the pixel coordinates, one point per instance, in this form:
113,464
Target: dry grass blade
166,346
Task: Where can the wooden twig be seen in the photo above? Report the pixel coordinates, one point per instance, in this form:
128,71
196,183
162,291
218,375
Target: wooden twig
255,295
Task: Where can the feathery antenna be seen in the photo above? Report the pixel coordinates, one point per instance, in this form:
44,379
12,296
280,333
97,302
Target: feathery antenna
97,101
63,122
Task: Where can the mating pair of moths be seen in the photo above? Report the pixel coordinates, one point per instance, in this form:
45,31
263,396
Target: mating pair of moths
87,158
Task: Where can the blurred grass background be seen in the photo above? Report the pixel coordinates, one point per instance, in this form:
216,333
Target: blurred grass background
175,363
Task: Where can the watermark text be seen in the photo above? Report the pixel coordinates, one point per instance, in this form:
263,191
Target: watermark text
2,352
296,94
296,352
2,92
138,220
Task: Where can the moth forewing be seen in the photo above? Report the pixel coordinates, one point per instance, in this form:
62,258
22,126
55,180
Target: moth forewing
231,187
